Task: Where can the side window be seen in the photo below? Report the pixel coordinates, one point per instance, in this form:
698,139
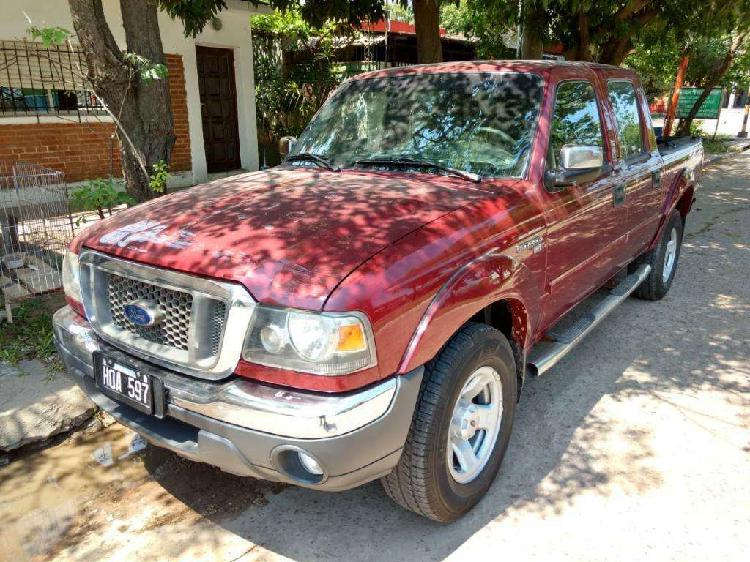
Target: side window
576,119
625,105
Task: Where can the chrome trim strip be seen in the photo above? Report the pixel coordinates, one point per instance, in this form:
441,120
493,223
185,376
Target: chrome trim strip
546,354
289,413
196,362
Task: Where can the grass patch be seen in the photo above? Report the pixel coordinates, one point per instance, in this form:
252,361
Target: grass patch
30,336
716,145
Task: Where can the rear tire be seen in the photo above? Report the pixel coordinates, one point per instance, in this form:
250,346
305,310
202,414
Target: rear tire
457,440
663,261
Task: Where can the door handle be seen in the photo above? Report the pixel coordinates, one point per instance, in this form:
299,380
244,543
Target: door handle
656,178
618,195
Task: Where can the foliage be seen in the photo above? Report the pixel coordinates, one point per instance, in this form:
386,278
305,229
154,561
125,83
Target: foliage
320,12
605,30
49,35
159,176
655,59
400,12
30,336
718,145
194,14
98,195
476,20
147,70
294,73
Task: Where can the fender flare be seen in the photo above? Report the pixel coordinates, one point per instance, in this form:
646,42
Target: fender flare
487,279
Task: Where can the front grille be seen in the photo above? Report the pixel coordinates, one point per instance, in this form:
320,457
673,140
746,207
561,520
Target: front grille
175,305
202,322
217,326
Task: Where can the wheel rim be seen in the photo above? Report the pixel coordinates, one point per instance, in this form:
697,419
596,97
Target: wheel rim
670,256
475,424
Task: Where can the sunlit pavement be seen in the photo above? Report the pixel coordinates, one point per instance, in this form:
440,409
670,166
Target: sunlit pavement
635,447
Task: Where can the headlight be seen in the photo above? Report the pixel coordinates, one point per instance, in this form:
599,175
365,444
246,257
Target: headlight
71,276
310,342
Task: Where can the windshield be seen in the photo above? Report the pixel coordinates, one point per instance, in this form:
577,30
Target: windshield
477,123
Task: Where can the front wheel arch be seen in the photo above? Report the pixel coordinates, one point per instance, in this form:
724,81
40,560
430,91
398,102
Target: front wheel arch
489,290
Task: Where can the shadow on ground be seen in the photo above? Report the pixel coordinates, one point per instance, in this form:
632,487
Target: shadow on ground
586,428
694,341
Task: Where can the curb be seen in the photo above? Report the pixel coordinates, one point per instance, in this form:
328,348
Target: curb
711,158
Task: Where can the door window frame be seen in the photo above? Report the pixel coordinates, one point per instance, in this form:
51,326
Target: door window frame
645,142
600,111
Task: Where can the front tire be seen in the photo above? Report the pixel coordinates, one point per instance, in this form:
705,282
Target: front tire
663,261
461,426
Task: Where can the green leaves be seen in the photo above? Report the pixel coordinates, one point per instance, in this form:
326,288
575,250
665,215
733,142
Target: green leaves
159,175
147,70
49,35
194,14
98,195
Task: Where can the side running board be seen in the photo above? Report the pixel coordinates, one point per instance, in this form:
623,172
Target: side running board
548,352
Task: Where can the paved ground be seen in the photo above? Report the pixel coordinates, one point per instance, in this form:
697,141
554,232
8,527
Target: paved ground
36,404
636,447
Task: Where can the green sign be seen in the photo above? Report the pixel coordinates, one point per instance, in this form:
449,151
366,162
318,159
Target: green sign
710,108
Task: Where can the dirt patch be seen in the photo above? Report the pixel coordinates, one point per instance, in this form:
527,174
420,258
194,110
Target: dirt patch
85,495
206,489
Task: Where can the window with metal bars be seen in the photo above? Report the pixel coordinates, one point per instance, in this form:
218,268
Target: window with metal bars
36,81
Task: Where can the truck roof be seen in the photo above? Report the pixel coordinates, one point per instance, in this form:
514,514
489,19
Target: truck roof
544,67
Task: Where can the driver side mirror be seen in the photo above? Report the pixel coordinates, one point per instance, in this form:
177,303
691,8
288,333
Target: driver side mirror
286,144
578,164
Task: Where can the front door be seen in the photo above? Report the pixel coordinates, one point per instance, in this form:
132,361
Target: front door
218,108
586,223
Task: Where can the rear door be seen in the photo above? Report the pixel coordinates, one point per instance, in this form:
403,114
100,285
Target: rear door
638,164
585,225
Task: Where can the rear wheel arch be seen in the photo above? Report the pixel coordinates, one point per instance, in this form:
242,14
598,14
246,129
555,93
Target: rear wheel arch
685,202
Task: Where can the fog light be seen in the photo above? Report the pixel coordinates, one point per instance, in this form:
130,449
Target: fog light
298,465
310,464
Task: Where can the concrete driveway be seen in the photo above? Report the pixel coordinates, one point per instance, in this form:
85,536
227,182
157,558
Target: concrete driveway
635,447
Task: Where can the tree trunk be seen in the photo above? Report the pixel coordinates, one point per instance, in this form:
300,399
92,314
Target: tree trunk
679,79
584,37
710,82
532,29
615,51
616,38
427,26
141,110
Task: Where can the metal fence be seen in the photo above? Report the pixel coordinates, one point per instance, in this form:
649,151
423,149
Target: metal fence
36,80
35,228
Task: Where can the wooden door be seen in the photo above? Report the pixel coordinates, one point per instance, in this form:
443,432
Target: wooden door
218,95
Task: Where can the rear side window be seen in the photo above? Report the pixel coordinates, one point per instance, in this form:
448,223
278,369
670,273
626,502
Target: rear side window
625,105
576,119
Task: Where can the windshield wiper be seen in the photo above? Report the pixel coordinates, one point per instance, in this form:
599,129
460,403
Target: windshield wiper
405,162
321,161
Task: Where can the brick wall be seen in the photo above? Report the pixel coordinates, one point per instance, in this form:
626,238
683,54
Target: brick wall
83,150
181,152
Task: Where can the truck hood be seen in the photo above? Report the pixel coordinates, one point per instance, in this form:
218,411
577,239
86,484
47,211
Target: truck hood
289,236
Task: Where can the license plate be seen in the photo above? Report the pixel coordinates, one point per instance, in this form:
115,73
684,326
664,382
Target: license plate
124,383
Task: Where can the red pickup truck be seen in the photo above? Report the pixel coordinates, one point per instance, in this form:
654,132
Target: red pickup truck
370,308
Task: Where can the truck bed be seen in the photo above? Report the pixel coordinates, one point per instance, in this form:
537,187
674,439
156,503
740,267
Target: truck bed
680,148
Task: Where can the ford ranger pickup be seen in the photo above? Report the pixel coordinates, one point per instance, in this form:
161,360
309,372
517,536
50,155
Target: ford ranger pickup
369,308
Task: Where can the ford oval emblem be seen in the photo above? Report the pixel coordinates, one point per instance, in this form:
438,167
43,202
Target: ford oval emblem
143,313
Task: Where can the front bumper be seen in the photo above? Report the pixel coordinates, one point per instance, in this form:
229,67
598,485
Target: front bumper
246,428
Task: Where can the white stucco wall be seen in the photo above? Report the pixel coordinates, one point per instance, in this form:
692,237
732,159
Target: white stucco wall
729,123
235,34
